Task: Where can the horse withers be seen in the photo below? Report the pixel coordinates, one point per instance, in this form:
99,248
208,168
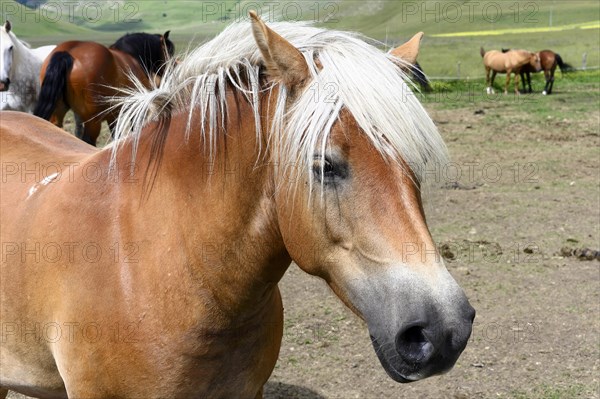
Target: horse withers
19,71
173,240
85,76
510,62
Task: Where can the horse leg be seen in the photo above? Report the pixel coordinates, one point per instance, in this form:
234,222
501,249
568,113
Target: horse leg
507,81
523,79
3,393
487,80
91,131
552,79
517,84
547,76
528,74
490,88
259,394
79,126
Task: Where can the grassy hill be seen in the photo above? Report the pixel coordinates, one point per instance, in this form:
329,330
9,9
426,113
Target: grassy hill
31,24
455,30
176,15
377,18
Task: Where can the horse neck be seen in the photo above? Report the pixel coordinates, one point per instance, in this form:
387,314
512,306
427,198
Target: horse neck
520,58
128,62
25,66
222,214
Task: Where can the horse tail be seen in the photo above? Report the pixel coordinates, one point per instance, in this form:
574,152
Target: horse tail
54,85
481,51
564,67
420,77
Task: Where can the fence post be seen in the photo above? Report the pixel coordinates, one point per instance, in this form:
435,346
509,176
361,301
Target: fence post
584,61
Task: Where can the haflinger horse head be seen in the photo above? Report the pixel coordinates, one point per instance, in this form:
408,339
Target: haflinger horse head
364,229
6,56
535,61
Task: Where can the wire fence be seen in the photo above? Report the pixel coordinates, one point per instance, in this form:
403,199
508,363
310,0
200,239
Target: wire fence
476,77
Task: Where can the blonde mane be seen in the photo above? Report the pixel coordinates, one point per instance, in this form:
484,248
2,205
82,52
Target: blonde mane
348,72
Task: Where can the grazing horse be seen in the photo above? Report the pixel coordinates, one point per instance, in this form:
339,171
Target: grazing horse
549,60
19,71
510,62
83,76
161,253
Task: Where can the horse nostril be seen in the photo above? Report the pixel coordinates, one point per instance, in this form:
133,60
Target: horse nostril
413,346
471,314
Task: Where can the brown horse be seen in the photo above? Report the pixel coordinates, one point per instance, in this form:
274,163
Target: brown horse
549,60
510,62
82,76
149,269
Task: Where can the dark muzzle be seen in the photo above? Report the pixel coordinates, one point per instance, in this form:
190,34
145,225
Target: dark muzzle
4,84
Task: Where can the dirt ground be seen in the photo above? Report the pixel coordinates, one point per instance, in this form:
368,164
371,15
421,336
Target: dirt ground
529,187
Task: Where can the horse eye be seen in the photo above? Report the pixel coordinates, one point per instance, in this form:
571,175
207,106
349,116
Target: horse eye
327,171
10,48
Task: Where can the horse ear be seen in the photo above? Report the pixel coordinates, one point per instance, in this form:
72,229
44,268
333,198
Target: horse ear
166,35
283,61
409,50
7,26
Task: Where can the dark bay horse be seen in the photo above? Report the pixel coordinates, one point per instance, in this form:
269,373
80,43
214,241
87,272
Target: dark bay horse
509,62
149,268
82,76
549,61
419,77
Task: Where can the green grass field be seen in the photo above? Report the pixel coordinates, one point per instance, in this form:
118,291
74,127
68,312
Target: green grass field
580,82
